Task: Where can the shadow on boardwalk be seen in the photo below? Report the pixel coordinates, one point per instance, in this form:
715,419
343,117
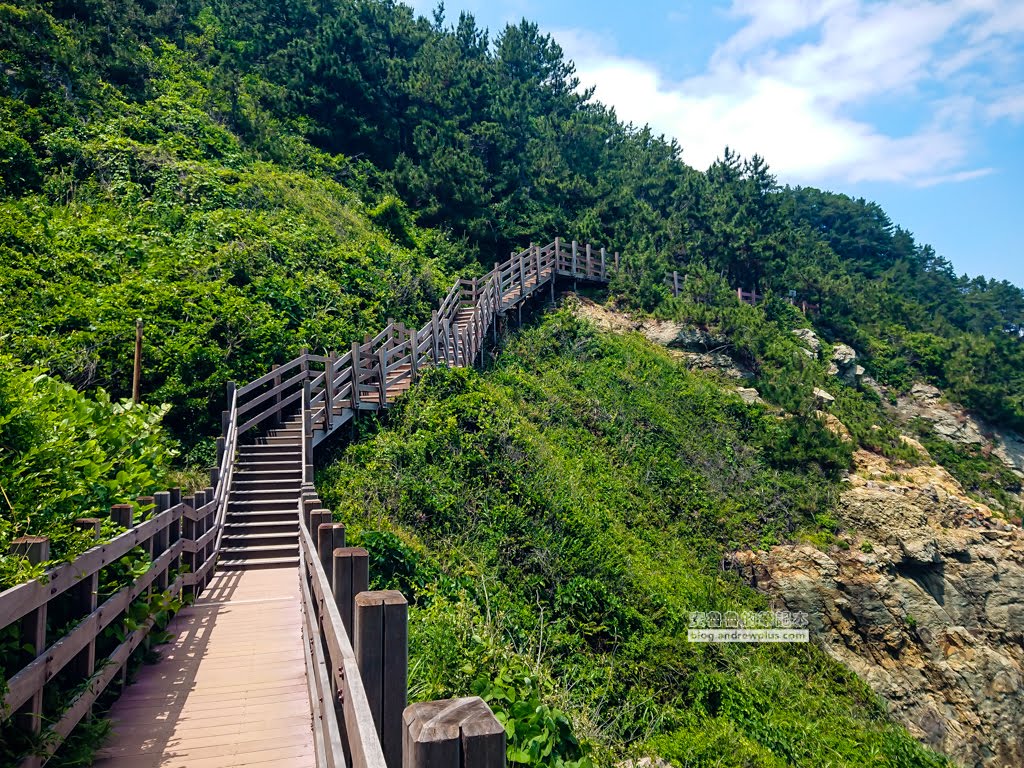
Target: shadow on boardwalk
231,687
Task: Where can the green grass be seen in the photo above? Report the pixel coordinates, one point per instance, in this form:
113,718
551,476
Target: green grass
557,518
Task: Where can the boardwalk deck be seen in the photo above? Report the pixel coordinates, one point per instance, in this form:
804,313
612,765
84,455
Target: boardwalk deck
231,688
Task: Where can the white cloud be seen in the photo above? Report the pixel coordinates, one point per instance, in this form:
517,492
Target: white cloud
797,81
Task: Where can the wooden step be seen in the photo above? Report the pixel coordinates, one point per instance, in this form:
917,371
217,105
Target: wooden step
244,564
261,551
272,526
247,473
234,540
287,497
254,512
249,484
262,449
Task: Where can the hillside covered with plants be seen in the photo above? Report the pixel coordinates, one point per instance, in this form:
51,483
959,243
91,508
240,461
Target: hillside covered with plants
255,178
555,520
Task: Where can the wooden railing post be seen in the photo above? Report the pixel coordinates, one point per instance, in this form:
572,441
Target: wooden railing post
675,283
322,529
575,259
351,576
590,262
604,275
435,336
162,540
143,502
277,398
457,733
381,644
329,390
355,375
188,533
36,549
555,259
209,521
307,433
522,276
230,396
310,504
85,599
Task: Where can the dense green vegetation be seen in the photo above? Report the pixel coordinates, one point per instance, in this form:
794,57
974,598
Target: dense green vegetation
557,518
64,456
232,172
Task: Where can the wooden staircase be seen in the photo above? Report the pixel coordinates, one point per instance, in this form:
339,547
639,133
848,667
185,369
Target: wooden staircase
261,525
261,529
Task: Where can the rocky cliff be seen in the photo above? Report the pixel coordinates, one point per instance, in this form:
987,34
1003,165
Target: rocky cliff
923,595
924,599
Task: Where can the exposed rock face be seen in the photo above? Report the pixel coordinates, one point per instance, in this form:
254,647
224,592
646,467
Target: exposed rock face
810,339
749,395
844,365
954,423
835,426
696,347
927,606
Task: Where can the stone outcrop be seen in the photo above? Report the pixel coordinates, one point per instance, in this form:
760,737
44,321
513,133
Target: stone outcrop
926,604
954,423
844,365
810,340
699,349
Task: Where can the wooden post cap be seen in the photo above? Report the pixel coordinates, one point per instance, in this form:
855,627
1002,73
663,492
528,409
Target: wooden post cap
460,733
92,524
123,514
35,548
381,597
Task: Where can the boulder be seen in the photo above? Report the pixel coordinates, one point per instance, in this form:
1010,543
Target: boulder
810,340
823,397
844,365
749,395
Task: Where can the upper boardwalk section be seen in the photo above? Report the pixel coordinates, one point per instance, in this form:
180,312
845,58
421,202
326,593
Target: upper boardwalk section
371,374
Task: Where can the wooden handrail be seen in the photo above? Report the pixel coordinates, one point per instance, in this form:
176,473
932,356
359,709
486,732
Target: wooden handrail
193,532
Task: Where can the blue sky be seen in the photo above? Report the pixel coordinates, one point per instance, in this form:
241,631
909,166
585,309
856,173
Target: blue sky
915,104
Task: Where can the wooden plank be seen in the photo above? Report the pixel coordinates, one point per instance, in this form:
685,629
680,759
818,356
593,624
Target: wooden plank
211,702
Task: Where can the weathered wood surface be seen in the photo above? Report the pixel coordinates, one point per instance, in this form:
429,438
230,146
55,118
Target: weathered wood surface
452,734
330,389
230,690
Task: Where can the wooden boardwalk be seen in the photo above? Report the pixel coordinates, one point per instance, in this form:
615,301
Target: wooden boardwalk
285,659
230,689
